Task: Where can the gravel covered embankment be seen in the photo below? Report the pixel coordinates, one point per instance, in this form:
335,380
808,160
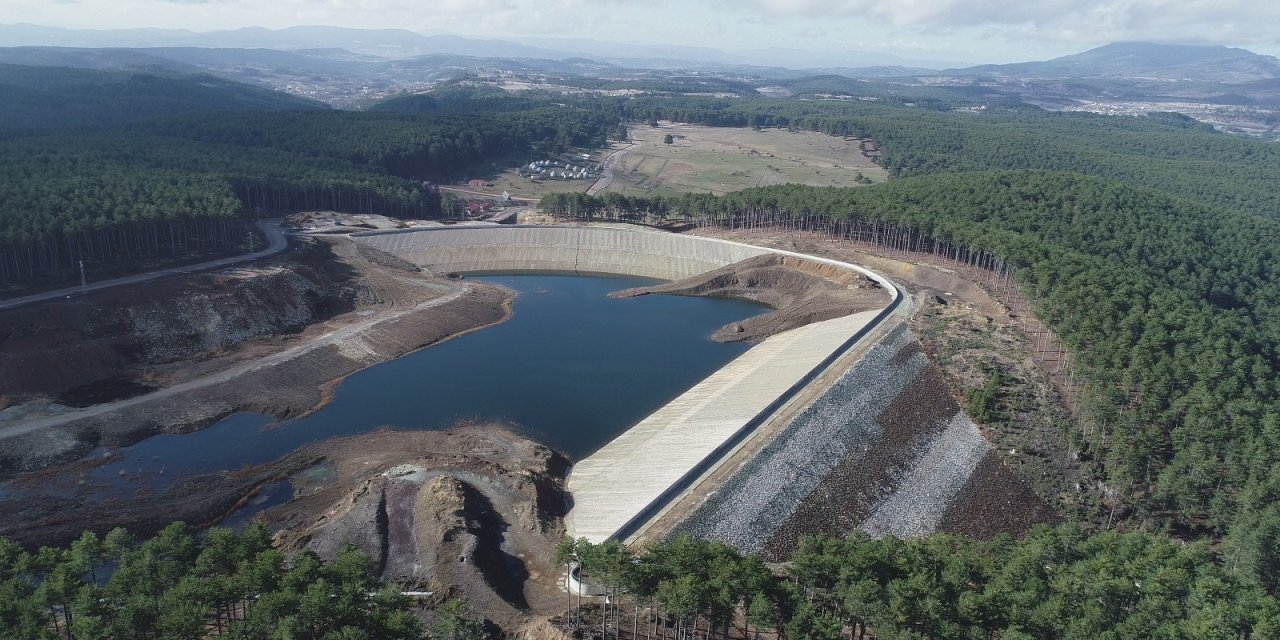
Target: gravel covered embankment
771,486
886,449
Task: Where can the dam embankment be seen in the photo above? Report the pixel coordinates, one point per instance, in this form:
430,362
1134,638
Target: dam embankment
617,489
632,252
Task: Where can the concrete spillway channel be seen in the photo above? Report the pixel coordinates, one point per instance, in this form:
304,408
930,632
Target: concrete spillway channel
623,486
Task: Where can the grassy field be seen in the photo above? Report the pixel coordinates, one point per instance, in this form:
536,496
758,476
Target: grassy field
720,160
707,159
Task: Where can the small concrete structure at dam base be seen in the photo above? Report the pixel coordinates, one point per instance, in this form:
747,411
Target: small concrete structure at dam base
618,489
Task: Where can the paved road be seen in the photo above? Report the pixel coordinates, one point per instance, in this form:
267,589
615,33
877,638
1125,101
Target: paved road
276,243
225,375
606,177
487,196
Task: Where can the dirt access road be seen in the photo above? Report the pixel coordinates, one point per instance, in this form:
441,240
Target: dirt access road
276,242
473,192
606,177
332,337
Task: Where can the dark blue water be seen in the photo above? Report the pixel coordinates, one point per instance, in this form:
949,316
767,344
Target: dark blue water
572,368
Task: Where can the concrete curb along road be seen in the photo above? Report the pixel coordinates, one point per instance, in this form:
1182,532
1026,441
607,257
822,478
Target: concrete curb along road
276,242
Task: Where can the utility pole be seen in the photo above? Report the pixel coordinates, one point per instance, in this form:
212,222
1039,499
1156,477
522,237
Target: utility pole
250,242
84,284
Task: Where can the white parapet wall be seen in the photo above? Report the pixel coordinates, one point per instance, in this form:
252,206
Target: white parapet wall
630,480
636,252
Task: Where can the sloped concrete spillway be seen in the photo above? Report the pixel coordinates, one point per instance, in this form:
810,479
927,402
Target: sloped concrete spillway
626,483
566,249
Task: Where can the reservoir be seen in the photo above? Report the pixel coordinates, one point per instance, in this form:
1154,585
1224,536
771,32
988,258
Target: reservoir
572,369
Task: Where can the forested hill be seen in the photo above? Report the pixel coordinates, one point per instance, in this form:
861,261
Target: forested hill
1169,153
41,98
1173,309
137,191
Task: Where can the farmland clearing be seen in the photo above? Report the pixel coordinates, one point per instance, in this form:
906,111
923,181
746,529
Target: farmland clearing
701,159
722,159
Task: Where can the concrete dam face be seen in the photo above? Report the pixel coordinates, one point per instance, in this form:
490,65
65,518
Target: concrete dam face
624,486
630,252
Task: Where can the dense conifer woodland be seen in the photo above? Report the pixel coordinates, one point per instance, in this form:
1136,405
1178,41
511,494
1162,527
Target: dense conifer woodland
1162,282
1054,583
179,184
1146,243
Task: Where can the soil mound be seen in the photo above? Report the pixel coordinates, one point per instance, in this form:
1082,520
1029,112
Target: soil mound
474,513
800,291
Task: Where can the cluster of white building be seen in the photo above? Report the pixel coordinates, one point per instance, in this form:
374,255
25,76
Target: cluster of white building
562,170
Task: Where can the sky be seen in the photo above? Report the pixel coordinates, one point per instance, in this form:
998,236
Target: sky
968,31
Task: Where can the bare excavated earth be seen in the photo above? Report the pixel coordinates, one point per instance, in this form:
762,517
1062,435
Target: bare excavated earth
965,332
887,447
55,506
475,512
116,366
76,349
800,291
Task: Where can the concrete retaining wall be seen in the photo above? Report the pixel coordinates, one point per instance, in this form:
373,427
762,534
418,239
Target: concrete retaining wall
608,250
558,248
605,250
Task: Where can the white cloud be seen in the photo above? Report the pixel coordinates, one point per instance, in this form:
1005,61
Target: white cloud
1229,21
969,30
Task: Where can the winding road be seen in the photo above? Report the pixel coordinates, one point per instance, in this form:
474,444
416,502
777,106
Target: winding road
606,177
228,374
276,242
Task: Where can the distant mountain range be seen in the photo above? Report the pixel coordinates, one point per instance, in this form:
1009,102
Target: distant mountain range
1144,60
322,46
353,68
1118,60
34,98
400,43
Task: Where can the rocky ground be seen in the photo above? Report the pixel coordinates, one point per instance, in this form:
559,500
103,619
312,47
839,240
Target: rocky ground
121,336
769,488
475,513
1029,429
966,332
800,291
885,449
272,338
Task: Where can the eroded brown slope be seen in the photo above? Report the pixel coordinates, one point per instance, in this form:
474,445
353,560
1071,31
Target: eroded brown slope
800,291
271,339
474,512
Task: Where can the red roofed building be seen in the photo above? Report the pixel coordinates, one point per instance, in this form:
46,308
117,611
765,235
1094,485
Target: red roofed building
477,183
